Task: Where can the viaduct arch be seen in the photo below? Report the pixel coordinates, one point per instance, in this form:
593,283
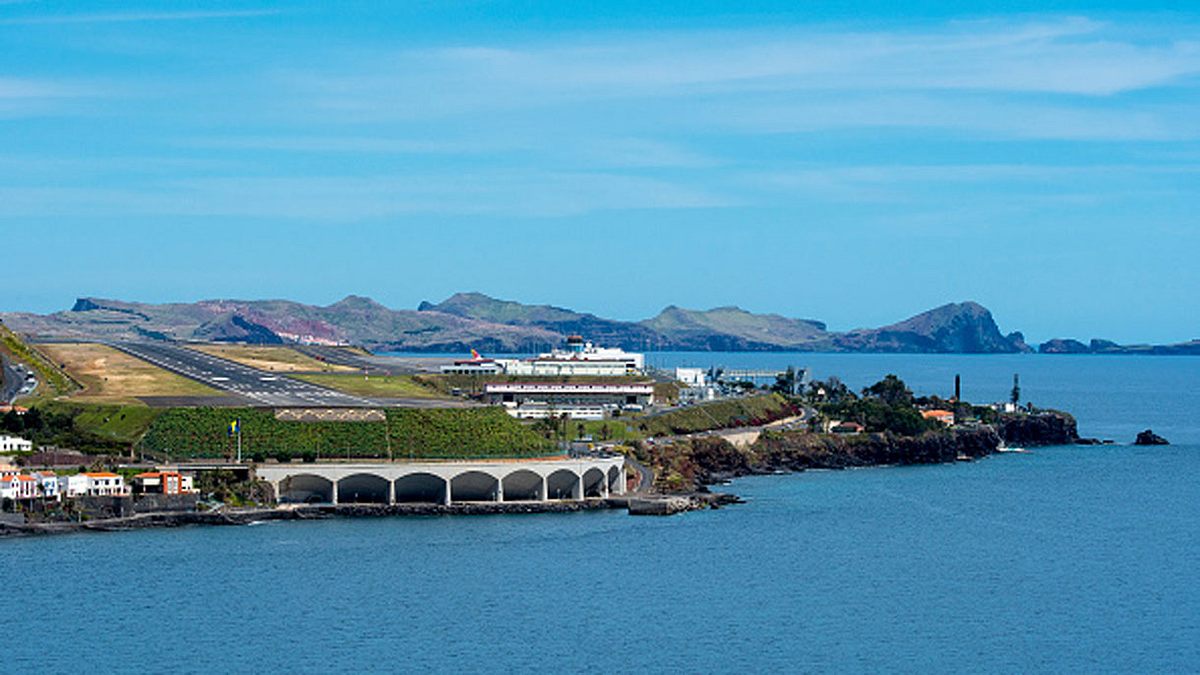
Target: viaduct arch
446,482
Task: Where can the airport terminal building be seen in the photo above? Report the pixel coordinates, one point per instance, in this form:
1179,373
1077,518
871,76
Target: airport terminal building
526,400
579,358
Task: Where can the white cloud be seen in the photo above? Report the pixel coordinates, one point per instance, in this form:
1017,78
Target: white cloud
1070,56
350,144
340,198
1035,79
980,115
25,88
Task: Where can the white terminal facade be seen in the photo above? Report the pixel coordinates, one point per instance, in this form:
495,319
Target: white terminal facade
579,358
534,400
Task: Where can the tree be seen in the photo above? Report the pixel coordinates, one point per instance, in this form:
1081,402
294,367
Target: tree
892,391
785,382
33,419
12,422
832,390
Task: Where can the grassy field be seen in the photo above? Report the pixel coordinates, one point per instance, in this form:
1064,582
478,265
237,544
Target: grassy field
272,358
111,376
606,430
390,386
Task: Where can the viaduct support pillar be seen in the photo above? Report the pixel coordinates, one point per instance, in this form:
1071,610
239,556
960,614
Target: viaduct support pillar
333,493
577,488
543,491
391,492
446,495
499,489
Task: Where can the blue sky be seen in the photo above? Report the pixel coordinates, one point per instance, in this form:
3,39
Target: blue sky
855,162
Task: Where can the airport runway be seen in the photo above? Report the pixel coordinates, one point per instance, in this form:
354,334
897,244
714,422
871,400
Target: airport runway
262,387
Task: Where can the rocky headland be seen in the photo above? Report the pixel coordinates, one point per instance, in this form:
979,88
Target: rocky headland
689,465
1045,428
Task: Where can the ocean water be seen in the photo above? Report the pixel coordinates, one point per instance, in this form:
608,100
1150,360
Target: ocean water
1062,559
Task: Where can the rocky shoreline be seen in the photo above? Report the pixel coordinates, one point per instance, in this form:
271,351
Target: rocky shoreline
635,504
694,464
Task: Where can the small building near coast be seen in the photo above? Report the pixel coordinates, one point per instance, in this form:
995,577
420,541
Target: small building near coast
162,483
48,484
13,444
102,484
840,427
18,487
944,416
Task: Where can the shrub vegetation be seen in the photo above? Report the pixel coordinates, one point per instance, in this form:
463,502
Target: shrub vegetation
407,433
738,412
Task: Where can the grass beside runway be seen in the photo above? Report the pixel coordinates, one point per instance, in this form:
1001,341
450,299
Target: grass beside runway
272,358
112,376
375,386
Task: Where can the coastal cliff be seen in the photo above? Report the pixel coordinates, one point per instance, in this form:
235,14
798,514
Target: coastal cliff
689,464
1042,428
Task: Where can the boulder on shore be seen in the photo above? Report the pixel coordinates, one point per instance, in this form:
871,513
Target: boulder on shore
1148,437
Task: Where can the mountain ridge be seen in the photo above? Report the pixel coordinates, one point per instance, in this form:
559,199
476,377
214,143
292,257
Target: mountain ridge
475,320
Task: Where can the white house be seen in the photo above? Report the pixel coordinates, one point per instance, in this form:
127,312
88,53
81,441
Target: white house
49,484
73,486
691,377
9,444
104,484
18,486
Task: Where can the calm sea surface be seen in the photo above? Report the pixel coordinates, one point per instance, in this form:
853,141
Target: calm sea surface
1064,559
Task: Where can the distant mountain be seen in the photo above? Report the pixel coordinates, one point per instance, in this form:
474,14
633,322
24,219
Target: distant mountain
1097,346
956,328
474,320
735,329
554,319
354,320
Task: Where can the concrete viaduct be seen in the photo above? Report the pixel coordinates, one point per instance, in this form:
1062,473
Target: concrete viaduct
446,482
